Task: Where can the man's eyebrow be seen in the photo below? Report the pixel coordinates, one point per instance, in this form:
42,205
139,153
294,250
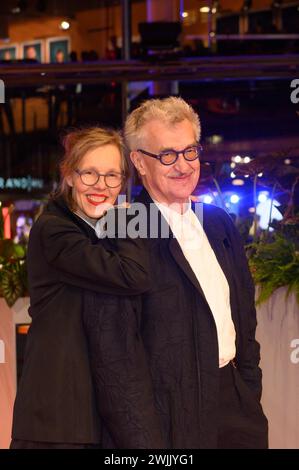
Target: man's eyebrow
167,149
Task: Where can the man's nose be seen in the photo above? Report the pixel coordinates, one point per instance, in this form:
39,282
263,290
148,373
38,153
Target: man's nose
181,164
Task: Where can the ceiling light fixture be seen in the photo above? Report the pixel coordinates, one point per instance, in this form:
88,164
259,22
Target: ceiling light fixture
65,25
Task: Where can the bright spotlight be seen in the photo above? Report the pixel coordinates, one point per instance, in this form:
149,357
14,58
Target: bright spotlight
234,199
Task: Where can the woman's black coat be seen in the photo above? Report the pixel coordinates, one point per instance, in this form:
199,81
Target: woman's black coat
55,398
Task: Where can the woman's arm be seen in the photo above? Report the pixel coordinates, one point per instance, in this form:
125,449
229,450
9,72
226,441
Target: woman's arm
119,266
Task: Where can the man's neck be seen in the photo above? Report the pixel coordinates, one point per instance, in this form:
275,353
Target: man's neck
179,205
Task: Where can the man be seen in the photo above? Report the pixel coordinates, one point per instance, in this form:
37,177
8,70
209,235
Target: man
199,359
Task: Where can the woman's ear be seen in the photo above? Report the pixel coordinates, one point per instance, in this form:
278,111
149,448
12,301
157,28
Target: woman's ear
138,162
69,180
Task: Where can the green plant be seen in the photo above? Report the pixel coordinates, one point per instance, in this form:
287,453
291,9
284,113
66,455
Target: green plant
13,273
274,261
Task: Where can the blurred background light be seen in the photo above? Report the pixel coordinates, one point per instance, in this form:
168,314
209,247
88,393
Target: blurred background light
234,199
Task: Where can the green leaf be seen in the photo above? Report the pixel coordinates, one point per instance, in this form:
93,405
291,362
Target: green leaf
274,263
11,287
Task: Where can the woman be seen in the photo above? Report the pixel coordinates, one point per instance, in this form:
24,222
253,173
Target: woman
55,405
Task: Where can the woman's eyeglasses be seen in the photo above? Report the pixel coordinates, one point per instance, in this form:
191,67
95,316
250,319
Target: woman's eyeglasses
91,178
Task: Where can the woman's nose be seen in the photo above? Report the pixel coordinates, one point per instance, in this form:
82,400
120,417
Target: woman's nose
101,183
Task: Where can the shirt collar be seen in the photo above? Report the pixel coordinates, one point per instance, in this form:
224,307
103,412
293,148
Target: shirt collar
168,211
91,222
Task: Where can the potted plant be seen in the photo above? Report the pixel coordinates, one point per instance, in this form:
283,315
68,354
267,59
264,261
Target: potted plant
13,275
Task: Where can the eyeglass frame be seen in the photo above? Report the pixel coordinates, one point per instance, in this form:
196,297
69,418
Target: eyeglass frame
78,172
159,156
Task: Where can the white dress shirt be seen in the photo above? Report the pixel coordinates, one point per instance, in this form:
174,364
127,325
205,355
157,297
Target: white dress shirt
197,250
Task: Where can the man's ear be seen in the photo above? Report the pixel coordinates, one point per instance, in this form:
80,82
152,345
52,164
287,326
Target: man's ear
138,162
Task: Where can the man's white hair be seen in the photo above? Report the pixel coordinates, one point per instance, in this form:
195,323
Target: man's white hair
170,111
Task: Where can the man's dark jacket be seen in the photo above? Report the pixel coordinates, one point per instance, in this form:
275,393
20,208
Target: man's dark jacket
169,334
55,399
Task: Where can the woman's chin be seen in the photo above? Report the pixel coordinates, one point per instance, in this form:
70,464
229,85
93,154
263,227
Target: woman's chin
99,210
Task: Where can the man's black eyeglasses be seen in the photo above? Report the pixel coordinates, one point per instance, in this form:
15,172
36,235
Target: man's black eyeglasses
169,157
